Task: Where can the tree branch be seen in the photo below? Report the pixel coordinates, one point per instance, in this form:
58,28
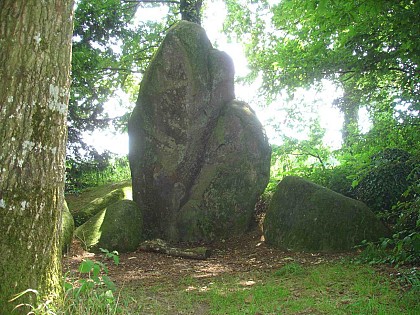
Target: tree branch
117,70
313,155
160,246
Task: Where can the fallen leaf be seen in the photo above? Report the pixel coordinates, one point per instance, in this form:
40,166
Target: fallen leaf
249,299
248,283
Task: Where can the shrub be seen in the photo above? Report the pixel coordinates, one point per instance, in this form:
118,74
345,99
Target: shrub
404,245
382,183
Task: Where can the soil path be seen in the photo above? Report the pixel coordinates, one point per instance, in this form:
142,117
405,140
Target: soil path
237,255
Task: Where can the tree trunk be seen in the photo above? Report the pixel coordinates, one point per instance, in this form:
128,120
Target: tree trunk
35,55
191,10
349,106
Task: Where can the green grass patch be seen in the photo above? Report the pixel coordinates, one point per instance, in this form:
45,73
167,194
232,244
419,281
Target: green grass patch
339,288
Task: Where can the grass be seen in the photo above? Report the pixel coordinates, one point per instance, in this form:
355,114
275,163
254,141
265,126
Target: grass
339,288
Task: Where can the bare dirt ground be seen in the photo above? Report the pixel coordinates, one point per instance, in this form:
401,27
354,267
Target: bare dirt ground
236,255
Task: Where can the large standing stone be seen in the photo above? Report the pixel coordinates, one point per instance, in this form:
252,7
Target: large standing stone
305,216
199,159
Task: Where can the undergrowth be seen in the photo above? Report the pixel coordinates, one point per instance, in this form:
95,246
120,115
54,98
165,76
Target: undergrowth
341,287
90,291
93,173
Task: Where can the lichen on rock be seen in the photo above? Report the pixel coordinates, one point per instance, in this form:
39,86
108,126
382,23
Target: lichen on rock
199,159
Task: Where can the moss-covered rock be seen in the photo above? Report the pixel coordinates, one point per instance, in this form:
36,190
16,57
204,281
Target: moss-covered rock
304,216
199,160
117,227
67,228
224,194
98,204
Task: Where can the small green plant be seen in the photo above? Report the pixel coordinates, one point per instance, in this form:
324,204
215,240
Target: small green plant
411,278
90,292
372,252
111,255
95,292
397,250
40,308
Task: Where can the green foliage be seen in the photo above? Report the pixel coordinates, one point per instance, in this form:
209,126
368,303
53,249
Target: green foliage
381,184
411,277
404,246
365,46
111,255
92,292
101,169
109,53
408,210
305,158
337,178
89,292
40,306
397,250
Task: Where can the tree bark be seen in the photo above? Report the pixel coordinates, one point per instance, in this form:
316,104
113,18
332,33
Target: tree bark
349,106
160,246
35,55
191,10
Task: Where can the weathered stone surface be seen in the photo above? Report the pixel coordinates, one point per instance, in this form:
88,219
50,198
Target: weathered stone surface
98,204
118,227
67,228
308,217
199,159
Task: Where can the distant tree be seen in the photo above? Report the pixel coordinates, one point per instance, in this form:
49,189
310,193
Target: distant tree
369,48
191,10
35,52
110,52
